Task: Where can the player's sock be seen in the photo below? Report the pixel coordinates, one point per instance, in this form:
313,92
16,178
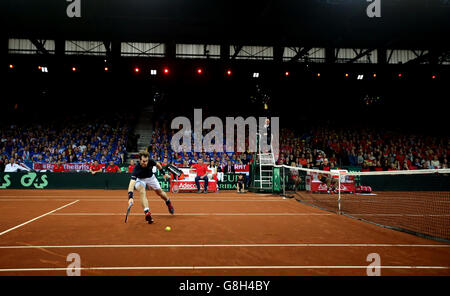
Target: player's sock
170,207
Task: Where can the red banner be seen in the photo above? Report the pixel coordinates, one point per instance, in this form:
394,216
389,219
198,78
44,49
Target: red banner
243,168
313,184
240,168
191,186
39,166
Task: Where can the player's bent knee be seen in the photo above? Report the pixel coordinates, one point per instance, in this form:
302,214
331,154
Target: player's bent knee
140,187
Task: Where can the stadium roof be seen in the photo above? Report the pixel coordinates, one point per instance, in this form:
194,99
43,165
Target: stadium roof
325,23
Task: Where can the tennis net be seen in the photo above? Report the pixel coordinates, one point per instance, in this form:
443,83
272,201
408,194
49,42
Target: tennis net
414,201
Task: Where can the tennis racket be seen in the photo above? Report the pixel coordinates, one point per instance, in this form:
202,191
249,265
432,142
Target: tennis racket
128,212
174,170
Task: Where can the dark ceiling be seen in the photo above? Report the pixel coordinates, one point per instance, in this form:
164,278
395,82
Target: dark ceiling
333,23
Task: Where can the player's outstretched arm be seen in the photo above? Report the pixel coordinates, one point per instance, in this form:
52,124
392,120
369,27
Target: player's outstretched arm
131,185
130,190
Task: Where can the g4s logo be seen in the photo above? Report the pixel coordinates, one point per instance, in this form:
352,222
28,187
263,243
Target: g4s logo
30,178
7,182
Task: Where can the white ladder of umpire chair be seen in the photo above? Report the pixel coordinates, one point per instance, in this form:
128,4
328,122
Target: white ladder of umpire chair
266,162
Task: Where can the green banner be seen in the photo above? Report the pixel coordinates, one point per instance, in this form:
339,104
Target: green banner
69,180
276,184
229,182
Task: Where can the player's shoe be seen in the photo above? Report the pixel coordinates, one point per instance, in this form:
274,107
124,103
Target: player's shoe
148,218
170,207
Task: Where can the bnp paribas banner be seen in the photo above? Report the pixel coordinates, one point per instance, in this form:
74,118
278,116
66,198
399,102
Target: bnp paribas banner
73,180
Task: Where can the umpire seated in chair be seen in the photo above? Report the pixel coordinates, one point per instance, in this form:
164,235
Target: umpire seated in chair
202,174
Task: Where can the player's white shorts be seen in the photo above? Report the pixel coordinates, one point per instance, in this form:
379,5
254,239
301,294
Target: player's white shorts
151,183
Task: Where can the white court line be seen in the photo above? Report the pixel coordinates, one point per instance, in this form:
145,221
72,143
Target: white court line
199,195
197,214
400,215
34,219
227,246
150,200
221,267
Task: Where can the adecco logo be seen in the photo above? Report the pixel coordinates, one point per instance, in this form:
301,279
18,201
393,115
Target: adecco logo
30,179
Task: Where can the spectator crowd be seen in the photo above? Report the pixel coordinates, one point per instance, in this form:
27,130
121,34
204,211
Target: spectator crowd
367,148
72,140
161,150
106,141
370,149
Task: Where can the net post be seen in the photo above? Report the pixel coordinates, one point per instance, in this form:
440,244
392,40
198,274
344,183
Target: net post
339,192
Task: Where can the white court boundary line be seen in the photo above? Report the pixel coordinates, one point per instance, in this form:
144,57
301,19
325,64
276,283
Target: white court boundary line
224,245
154,199
34,219
197,214
221,267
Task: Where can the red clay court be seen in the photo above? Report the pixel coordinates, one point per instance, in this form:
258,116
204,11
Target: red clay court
226,234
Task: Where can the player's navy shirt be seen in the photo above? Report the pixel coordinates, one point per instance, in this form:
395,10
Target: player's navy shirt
142,173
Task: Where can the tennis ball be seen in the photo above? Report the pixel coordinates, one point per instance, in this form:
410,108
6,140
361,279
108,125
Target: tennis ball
168,228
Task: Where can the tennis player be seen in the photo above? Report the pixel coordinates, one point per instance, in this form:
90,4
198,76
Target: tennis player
143,176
